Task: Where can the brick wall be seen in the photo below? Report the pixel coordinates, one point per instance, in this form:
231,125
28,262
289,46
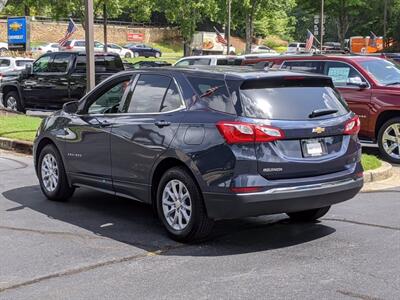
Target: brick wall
53,31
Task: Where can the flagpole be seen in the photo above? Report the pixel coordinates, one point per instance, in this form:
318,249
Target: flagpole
228,38
322,23
105,25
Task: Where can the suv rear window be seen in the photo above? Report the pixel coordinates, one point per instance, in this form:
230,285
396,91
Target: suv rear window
213,94
288,101
229,62
21,63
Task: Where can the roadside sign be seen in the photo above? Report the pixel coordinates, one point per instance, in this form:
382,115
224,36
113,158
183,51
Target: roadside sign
135,37
18,33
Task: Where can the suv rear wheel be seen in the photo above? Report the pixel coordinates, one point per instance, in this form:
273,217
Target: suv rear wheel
181,208
309,215
389,140
13,102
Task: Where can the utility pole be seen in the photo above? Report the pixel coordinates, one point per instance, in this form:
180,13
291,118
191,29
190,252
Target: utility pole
228,38
322,21
105,25
385,11
89,38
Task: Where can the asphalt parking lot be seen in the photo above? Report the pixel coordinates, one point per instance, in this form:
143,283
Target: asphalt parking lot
100,247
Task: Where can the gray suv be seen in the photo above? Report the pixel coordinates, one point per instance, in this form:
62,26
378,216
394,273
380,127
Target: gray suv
206,144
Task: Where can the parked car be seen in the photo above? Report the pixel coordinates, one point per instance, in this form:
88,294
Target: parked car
210,60
300,48
143,50
11,64
80,45
56,78
204,144
150,64
370,86
262,49
122,52
3,48
45,48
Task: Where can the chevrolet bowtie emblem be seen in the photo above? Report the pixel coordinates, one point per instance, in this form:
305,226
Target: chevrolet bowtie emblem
15,26
318,130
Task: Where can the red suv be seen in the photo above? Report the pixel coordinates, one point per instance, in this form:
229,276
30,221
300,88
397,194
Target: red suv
370,86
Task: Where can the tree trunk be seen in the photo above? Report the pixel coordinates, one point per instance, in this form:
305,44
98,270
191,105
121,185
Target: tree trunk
27,10
342,26
186,48
248,34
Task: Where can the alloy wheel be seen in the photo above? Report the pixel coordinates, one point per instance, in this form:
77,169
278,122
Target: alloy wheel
11,103
176,204
49,172
391,140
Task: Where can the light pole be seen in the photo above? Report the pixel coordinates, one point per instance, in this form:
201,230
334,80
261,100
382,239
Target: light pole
228,38
105,24
89,45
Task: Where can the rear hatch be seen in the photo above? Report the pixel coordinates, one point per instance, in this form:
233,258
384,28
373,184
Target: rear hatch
311,118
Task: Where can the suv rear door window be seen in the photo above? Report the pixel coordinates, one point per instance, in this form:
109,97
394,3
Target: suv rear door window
213,93
288,101
149,94
342,74
195,62
4,62
60,63
21,63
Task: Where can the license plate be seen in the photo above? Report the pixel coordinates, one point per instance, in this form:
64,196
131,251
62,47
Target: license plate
313,148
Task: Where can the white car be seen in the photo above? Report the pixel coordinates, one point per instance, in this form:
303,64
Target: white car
262,49
80,45
122,52
210,60
3,47
10,64
46,48
300,48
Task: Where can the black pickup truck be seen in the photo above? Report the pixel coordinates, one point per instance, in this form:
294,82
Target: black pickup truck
56,78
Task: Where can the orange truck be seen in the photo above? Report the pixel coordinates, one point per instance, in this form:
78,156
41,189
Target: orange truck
361,44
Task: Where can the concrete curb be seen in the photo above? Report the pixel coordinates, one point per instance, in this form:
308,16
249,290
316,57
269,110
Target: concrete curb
16,145
382,173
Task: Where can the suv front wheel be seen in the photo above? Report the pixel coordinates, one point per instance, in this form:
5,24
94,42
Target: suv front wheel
389,140
181,208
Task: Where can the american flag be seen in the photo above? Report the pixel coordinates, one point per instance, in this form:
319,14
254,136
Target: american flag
70,31
309,41
220,38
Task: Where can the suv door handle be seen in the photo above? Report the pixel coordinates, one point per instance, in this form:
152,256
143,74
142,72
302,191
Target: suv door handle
162,123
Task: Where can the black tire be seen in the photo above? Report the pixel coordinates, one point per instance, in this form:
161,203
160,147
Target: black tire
128,55
381,143
14,95
199,225
309,215
63,191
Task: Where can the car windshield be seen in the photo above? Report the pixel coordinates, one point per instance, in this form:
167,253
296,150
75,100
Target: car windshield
385,72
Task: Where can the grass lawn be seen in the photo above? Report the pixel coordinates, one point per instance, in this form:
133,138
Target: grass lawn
370,162
19,127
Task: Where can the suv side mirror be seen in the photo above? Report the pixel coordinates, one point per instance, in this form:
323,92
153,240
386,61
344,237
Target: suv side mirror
71,107
357,81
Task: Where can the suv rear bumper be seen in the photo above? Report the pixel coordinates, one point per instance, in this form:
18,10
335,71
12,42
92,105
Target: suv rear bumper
280,200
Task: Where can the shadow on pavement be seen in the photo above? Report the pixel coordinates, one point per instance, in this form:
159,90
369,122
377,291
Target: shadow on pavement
135,224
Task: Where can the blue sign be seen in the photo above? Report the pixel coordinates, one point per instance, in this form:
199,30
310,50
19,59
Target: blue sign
17,30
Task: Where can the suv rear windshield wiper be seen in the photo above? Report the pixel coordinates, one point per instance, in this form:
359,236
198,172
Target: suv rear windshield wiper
322,112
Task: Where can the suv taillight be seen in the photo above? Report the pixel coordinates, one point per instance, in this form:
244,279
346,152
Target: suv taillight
241,132
69,47
352,126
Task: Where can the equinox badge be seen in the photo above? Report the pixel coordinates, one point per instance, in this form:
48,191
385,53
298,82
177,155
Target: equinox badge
318,130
